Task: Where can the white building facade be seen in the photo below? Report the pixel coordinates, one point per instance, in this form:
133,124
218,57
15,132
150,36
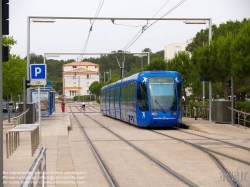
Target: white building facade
170,50
77,77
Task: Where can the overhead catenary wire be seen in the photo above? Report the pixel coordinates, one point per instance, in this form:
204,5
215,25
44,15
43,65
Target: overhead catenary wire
160,9
91,28
141,25
145,27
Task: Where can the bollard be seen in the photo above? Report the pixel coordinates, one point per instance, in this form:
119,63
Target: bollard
195,112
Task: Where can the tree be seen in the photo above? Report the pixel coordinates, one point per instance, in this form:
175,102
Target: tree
13,72
95,88
147,50
182,64
240,61
156,64
8,41
240,58
214,60
158,54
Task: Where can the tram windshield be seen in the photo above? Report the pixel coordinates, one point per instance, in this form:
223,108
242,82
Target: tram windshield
162,93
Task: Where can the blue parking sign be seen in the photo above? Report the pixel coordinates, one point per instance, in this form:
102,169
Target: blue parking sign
37,71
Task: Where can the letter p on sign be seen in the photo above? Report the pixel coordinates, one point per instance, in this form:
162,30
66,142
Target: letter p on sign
37,71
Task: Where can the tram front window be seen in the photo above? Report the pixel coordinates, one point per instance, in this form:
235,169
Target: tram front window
162,93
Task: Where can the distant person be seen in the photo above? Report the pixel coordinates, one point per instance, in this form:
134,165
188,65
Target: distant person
83,105
63,105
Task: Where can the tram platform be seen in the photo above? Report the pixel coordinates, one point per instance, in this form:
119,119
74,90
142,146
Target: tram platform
56,137
211,127
65,150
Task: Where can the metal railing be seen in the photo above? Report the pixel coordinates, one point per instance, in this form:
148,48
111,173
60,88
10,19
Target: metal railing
202,111
37,172
241,118
19,119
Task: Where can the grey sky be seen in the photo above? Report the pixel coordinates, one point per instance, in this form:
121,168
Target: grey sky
70,35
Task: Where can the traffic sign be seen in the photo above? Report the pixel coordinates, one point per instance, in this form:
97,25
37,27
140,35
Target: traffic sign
37,71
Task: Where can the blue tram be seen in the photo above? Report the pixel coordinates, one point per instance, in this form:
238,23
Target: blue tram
145,99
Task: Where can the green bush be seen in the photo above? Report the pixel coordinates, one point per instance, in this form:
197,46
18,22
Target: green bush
85,98
244,107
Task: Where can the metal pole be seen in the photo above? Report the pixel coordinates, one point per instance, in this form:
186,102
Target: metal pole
78,88
110,74
63,89
123,70
104,76
148,58
210,84
44,58
28,57
24,100
203,91
116,18
39,116
141,62
232,101
1,97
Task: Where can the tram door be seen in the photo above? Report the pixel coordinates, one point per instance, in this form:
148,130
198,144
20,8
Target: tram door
142,111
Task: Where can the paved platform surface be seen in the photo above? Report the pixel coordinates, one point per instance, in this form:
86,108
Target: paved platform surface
213,127
64,149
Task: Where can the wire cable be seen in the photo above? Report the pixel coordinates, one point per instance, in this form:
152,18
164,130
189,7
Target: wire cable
145,27
90,29
160,9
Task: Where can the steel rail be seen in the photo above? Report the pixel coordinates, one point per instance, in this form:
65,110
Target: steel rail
232,144
104,169
226,173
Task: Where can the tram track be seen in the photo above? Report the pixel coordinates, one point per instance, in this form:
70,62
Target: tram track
212,151
109,177
220,165
229,177
209,138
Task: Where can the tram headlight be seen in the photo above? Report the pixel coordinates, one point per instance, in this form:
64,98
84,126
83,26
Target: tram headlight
154,113
173,113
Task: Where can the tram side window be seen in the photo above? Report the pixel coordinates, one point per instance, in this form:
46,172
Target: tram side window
142,96
126,97
111,98
117,96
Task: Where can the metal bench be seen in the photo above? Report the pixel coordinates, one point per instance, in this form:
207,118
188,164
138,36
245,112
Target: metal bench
13,139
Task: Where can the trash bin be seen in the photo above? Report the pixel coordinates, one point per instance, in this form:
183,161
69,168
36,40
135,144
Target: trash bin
195,112
220,111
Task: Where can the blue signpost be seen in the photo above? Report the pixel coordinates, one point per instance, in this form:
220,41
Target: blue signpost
38,77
